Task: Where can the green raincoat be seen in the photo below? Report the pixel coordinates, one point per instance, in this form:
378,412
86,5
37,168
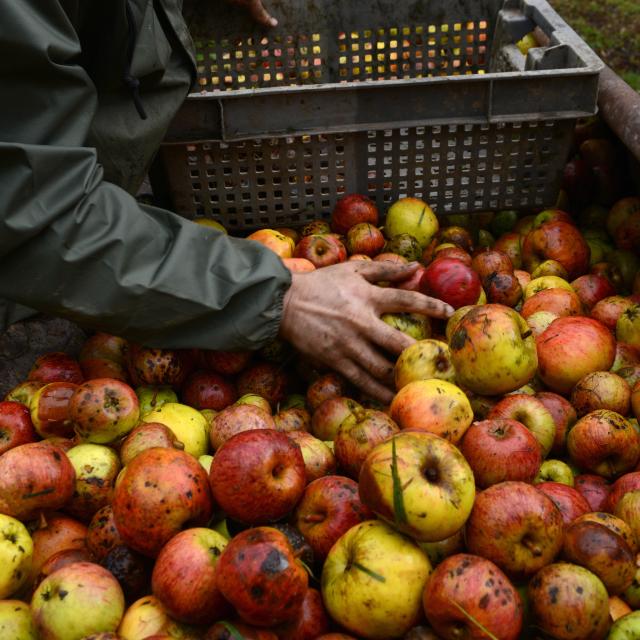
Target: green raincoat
87,90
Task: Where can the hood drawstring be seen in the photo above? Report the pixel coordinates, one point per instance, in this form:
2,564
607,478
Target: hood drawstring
132,83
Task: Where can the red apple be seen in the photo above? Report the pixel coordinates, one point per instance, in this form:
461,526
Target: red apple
558,241
131,569
16,427
159,367
563,414
365,238
102,535
624,484
569,502
468,596
50,409
613,273
627,235
452,281
594,489
235,419
572,347
184,576
413,282
226,363
259,575
328,508
104,410
592,288
34,477
321,250
61,559
311,622
626,356
208,390
105,346
280,244
453,252
299,265
503,288
329,385
147,435
159,492
330,414
257,476
292,419
499,450
556,300
265,379
490,262
511,244
315,226
457,235
102,368
56,367
601,390
603,442
516,526
351,210
319,459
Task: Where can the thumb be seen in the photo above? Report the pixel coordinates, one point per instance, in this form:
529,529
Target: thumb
387,271
261,15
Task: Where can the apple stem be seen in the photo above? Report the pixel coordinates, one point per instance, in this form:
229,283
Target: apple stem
314,517
526,334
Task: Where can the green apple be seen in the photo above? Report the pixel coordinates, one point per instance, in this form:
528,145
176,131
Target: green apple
555,471
626,628
628,326
206,461
503,222
15,621
16,551
373,579
414,217
415,325
187,424
255,400
419,482
151,398
77,600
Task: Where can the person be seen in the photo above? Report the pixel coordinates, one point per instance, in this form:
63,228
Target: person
88,90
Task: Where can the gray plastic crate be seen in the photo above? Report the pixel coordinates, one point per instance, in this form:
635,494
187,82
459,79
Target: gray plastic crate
423,98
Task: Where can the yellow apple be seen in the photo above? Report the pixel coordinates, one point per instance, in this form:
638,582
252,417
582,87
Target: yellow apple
15,621
280,244
545,282
188,425
16,551
414,217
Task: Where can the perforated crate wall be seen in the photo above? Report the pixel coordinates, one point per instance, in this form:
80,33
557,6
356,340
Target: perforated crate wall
290,180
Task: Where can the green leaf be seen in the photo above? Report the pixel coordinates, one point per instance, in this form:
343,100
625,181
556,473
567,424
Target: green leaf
472,619
307,568
235,634
371,574
399,511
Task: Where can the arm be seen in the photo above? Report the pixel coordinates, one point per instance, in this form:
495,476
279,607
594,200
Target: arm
74,245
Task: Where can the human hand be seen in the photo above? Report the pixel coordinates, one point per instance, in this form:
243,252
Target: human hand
333,315
257,11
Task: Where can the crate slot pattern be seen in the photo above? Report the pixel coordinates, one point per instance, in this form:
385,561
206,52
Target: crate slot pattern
289,181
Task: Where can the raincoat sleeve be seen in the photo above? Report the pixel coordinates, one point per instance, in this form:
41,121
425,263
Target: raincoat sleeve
76,246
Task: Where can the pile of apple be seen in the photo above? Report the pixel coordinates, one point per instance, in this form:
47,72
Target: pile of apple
148,494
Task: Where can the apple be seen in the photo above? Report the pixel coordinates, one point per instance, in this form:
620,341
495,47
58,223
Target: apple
77,600
438,551
524,278
259,575
328,385
625,627
419,482
15,621
560,241
569,502
542,283
319,459
603,442
50,409
626,356
373,579
628,326
503,288
601,390
58,560
226,630
56,367
468,596
16,551
591,288
151,398
493,351
318,225
569,602
102,368
358,435
593,488
23,392
16,427
457,235
160,491
412,216
331,413
328,508
620,212
624,484
436,406
499,450
310,623
299,265
556,300
265,379
34,477
237,419
208,390
532,413
415,325
564,417
538,322
424,360
147,617
555,471
571,348
406,246
105,346
280,244
226,363
349,211
146,436
103,410
188,425
156,367
488,263
515,526
635,400
614,524
446,251
257,476
511,244
254,400
452,281
412,283
602,551
292,419
364,238
321,250
102,535
632,594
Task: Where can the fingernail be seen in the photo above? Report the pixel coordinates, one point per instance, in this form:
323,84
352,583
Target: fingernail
273,22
